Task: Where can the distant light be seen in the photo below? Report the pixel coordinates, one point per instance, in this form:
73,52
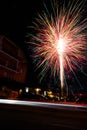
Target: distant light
37,90
27,89
51,96
45,93
20,91
49,92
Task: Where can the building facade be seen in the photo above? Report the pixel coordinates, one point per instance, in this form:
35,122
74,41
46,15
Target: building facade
13,63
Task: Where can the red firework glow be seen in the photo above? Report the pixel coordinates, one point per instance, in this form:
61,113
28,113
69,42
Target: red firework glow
60,39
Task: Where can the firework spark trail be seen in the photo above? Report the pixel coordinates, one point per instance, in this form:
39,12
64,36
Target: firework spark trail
61,73
60,38
60,48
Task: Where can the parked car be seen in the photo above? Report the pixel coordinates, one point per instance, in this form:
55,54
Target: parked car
31,96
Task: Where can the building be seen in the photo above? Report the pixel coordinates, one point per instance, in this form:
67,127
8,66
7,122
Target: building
13,64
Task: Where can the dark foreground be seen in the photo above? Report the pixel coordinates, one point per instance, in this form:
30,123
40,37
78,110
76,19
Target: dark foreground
14,117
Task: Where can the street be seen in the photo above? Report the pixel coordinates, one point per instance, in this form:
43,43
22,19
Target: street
24,117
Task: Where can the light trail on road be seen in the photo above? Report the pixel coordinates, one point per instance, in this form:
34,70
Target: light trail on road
80,107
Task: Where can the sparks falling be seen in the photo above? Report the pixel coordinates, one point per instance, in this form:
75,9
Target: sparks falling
60,38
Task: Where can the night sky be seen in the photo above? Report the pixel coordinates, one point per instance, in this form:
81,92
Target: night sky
15,16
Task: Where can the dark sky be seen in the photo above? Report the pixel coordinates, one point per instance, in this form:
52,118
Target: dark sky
15,16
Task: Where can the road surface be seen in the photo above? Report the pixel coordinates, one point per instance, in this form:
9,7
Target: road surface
36,117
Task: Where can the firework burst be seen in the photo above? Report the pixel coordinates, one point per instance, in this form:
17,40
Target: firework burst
60,38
